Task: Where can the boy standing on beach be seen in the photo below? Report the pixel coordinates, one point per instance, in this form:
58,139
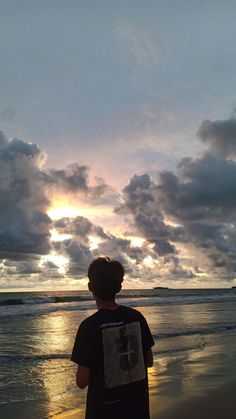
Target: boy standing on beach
113,350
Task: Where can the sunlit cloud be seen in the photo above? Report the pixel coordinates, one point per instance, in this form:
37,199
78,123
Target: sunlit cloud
58,261
94,242
136,241
60,210
59,237
149,261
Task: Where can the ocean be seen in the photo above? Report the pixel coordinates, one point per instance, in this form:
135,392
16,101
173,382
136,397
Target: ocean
195,346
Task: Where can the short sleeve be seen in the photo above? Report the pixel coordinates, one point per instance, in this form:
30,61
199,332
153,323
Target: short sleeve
83,350
147,338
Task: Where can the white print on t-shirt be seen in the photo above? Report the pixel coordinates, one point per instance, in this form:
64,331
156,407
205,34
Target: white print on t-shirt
102,325
123,355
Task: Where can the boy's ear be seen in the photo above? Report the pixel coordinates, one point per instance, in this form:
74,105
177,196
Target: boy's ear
119,288
90,286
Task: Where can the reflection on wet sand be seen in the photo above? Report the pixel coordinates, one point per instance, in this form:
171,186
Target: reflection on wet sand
58,372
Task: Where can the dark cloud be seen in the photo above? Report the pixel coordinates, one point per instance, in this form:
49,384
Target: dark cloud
130,256
205,189
140,200
220,135
199,202
203,202
72,179
79,226
25,193
102,193
24,224
48,264
22,267
19,256
136,193
77,248
80,257
175,269
17,149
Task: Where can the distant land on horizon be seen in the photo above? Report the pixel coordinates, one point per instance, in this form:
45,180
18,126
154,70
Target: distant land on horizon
125,289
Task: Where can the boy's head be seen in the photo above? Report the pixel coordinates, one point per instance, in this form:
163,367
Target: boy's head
105,278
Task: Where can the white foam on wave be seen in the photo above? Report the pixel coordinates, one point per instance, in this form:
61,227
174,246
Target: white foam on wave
44,308
44,305
39,300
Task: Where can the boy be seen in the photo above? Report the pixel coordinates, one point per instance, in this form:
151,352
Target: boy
113,350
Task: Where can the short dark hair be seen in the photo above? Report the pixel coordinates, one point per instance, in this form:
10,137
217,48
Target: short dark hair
105,277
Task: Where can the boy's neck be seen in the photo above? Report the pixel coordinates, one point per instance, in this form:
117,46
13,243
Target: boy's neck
110,304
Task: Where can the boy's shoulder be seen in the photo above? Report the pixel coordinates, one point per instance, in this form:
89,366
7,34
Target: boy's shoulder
133,313
90,319
130,310
122,311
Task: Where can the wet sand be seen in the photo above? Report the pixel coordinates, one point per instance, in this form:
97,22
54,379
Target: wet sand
215,404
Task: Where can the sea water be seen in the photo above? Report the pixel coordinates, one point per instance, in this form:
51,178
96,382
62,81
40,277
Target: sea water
194,333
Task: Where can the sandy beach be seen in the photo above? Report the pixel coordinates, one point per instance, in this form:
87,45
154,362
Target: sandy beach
194,357
215,404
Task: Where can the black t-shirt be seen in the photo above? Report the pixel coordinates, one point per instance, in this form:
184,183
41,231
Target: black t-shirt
112,343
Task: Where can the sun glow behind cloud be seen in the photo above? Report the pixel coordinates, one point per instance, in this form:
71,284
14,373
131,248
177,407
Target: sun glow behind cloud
94,242
98,214
149,261
60,210
60,262
58,237
136,241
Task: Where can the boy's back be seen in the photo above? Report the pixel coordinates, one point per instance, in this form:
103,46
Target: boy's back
112,350
112,343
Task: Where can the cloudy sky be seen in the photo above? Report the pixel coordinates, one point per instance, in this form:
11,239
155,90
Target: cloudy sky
118,137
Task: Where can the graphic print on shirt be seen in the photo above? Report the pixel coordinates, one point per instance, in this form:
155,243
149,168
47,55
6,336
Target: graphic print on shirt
123,355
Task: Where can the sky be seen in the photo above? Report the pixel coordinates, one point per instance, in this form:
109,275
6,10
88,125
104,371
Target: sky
117,138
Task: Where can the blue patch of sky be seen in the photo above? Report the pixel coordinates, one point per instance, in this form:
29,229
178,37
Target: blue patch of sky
64,68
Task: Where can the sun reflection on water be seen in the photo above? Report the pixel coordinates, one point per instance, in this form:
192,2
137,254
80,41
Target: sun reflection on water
57,373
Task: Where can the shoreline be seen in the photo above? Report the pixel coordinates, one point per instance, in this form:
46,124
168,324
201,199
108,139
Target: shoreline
215,404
